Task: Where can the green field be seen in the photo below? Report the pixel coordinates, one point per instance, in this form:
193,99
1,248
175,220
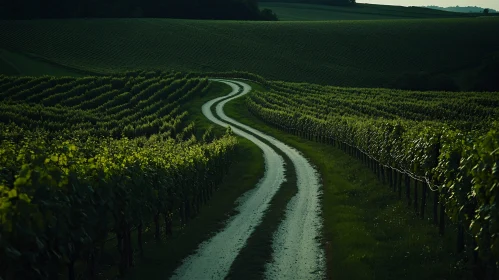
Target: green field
344,53
307,12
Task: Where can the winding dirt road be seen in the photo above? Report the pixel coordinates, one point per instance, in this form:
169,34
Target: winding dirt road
296,244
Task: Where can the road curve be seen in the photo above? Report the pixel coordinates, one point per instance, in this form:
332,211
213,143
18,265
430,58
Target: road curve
214,257
296,244
297,251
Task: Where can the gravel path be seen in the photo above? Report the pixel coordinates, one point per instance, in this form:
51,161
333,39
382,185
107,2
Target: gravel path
215,256
296,244
297,250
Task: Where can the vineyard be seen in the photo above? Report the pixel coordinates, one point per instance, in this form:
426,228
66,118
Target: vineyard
340,142
117,159
86,160
341,53
437,150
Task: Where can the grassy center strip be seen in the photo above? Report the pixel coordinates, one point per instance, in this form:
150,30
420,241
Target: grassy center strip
251,261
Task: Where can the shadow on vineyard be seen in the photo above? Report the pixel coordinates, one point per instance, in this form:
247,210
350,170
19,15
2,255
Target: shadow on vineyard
442,163
248,139
401,179
368,233
95,162
369,53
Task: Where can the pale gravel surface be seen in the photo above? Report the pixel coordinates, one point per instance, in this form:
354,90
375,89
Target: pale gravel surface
296,244
297,249
214,257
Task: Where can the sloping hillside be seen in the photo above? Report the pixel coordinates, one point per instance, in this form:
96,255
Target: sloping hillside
305,12
344,53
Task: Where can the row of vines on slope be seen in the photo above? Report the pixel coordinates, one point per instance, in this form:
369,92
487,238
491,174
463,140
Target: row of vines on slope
446,142
85,160
106,106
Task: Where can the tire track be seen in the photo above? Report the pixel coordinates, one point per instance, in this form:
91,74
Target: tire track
214,257
297,252
296,244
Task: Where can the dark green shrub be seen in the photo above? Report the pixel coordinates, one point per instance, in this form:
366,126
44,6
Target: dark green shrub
268,14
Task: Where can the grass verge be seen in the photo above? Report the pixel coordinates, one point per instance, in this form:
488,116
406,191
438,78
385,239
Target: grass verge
368,232
160,260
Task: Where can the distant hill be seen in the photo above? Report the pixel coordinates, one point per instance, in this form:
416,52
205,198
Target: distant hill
368,53
458,9
319,2
289,10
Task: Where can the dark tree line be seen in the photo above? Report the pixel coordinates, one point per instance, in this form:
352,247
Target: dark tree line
188,9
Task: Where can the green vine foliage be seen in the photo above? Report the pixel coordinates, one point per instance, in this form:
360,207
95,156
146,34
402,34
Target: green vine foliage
450,141
81,163
67,196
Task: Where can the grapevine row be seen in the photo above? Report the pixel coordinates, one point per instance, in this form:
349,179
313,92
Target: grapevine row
102,104
457,156
60,200
88,160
